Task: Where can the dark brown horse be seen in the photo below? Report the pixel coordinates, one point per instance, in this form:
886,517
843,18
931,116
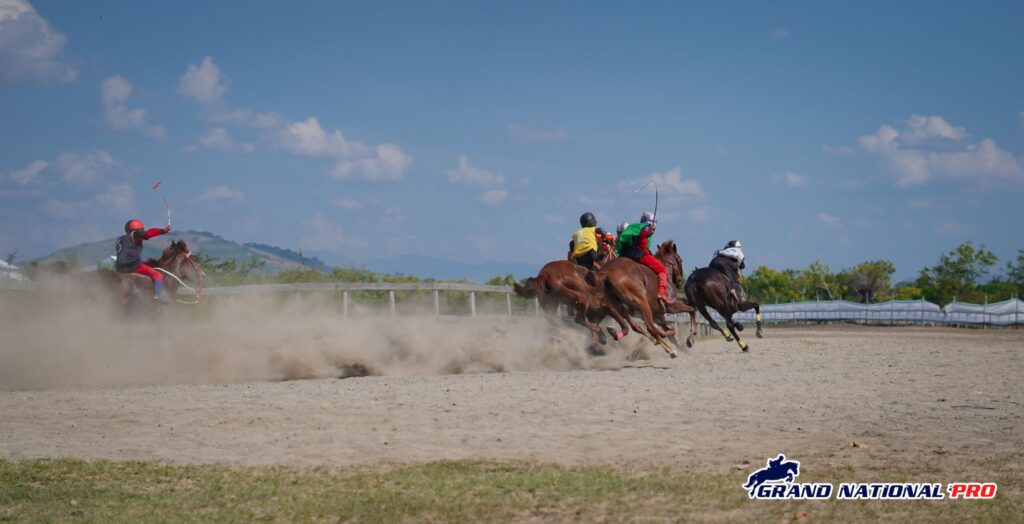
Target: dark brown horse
710,287
178,267
634,287
563,282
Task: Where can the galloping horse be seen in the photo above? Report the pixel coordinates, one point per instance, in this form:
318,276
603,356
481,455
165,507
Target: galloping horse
710,287
635,287
176,260
563,282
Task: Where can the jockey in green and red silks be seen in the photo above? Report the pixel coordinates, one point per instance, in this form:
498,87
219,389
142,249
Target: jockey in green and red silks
634,242
129,253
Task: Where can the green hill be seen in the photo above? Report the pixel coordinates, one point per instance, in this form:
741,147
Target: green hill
207,244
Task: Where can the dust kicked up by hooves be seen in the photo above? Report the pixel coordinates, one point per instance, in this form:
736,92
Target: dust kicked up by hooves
61,340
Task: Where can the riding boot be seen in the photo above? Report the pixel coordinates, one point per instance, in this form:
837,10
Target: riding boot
663,286
158,290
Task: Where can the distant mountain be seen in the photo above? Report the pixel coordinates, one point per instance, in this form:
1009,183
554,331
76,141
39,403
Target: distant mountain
441,269
208,244
89,254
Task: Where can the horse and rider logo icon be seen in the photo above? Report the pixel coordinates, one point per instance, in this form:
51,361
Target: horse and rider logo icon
779,469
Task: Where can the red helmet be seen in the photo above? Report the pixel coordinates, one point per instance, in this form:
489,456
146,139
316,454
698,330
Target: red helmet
132,225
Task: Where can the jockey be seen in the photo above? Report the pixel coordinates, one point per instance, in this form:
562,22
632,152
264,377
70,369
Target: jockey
634,241
730,260
129,254
583,246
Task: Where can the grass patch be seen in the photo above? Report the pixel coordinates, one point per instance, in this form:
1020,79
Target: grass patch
103,491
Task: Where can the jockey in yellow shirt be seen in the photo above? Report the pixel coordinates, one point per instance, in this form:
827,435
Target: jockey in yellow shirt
583,246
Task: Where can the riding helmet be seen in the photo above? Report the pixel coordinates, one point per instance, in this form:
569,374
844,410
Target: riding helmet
646,217
588,220
733,243
599,233
132,225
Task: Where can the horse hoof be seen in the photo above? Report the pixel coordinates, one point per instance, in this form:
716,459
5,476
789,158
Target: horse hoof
595,351
759,334
689,342
746,348
673,355
728,339
739,327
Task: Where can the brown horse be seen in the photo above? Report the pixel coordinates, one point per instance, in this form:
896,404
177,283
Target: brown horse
710,287
176,260
563,282
635,288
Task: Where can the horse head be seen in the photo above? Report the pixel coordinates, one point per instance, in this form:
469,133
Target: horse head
177,259
668,253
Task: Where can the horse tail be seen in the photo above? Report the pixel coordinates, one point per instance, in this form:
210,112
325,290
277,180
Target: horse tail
529,290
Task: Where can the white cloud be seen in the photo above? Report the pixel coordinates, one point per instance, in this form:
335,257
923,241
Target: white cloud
324,234
830,221
524,133
951,227
701,214
388,162
118,197
248,118
346,203
470,174
843,151
29,48
930,146
493,197
28,175
84,168
218,195
218,139
670,183
923,128
309,139
781,32
114,93
204,83
792,179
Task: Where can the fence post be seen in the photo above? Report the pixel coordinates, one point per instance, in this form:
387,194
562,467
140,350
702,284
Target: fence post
984,314
391,301
508,302
472,303
437,302
536,307
344,304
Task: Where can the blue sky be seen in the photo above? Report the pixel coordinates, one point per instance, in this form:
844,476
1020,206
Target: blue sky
480,131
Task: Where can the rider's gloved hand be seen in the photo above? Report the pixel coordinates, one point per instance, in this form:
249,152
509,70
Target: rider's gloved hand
167,229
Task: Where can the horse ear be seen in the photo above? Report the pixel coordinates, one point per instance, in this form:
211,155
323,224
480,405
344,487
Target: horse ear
674,250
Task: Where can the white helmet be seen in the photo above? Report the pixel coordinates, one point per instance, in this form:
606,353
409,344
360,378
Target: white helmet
733,243
646,217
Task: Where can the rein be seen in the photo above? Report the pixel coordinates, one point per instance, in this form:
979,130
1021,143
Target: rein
196,291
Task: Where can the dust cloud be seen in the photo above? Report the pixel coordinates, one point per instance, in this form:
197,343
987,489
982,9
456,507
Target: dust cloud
57,339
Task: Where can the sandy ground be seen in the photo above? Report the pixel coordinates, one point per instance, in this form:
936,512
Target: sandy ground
915,395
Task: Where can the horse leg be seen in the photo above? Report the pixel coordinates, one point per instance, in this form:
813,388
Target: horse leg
619,317
744,306
645,311
595,330
732,329
714,325
692,338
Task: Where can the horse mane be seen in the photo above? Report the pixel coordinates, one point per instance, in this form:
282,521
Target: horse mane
177,246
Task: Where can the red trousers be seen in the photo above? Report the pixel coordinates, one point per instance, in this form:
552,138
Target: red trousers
651,262
153,274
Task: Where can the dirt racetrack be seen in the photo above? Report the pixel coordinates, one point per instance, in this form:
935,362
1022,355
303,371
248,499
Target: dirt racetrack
842,394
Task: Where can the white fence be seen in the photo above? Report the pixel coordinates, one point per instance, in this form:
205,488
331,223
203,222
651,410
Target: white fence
1006,313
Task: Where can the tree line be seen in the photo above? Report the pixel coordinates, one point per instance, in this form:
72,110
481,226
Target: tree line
958,275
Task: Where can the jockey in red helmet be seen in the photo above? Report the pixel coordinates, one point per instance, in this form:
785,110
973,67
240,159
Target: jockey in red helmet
129,254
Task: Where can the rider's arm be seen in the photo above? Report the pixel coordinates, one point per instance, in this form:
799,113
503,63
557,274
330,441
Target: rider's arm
150,233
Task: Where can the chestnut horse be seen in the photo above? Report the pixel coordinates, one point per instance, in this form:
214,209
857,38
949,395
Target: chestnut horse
634,287
176,259
563,282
